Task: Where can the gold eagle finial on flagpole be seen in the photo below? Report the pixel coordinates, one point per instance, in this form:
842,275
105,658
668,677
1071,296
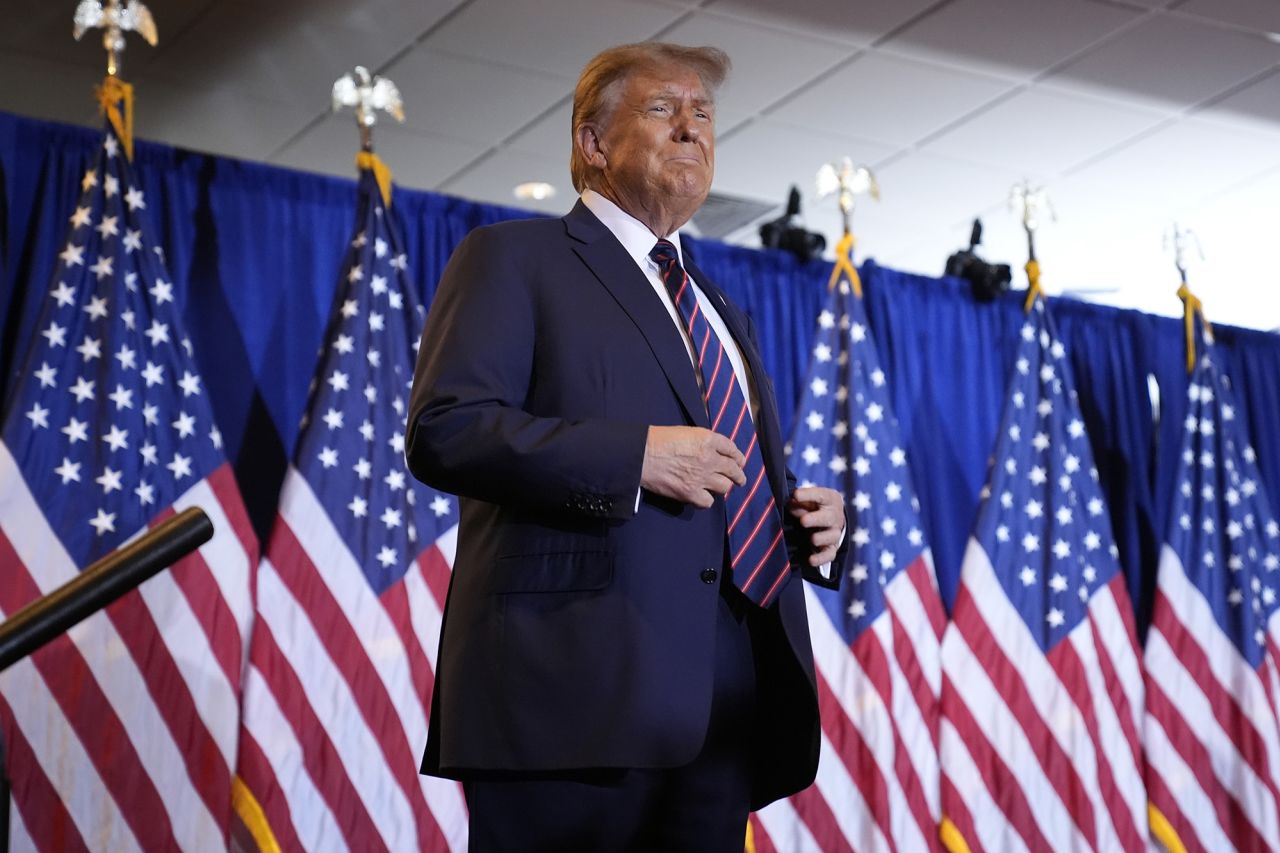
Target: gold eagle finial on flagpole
1032,203
848,181
367,93
115,19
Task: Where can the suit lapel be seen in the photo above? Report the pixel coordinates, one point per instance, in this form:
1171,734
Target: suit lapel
618,273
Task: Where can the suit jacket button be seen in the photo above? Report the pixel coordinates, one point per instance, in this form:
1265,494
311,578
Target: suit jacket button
708,575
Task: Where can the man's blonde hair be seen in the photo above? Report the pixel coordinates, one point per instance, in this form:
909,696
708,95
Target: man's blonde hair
600,85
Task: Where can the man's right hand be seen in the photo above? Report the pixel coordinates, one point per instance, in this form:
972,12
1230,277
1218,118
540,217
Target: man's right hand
690,464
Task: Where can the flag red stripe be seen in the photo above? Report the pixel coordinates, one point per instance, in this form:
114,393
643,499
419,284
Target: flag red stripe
90,715
760,835
954,809
223,483
194,577
436,573
1111,677
395,600
1053,760
1186,741
302,579
1000,781
1160,796
318,753
909,665
46,818
815,811
1066,662
852,748
1228,713
921,576
258,776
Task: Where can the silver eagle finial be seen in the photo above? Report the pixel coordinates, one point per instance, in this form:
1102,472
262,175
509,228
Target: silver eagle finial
1031,202
116,19
849,181
367,93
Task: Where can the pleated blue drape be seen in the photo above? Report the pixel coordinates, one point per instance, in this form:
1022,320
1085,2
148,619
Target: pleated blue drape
254,252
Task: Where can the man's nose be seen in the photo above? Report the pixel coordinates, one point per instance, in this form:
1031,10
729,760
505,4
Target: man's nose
686,129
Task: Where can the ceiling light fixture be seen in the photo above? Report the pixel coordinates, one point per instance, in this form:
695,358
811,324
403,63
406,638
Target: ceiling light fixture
534,191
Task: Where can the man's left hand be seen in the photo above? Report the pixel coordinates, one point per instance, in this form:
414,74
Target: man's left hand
820,511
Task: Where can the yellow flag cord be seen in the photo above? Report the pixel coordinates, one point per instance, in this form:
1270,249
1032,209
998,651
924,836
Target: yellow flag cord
844,263
1191,306
372,162
247,807
115,97
1033,284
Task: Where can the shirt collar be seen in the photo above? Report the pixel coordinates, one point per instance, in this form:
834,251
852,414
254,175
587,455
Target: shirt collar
633,234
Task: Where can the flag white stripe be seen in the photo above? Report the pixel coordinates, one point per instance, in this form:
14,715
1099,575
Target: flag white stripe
113,668
1007,739
63,760
1050,698
226,558
839,790
993,829
19,839
786,830
1118,646
334,563
909,612
1234,773
327,690
312,820
1183,786
444,796
1233,674
865,709
917,741
1111,745
1115,746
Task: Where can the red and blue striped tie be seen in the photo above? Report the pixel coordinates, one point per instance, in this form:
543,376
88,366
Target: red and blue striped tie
757,552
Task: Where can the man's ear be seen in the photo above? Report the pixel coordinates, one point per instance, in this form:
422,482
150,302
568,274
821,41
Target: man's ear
589,143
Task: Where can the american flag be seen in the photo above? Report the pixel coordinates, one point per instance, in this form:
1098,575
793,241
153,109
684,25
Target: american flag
875,641
351,591
121,734
1041,686
1211,733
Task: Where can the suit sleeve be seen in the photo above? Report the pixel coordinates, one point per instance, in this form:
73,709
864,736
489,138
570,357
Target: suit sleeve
469,431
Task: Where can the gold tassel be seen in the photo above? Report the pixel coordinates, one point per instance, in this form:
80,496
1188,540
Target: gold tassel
1191,306
1033,287
844,253
115,98
381,174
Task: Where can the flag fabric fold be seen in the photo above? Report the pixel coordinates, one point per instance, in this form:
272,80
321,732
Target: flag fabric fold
1211,731
351,591
121,734
1041,685
876,639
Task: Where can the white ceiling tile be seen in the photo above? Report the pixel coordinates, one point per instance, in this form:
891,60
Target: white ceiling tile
290,53
495,102
1169,60
493,179
416,159
754,84
763,160
1261,15
219,122
1257,105
548,136
898,101
1032,35
859,23
556,36
1043,132
950,190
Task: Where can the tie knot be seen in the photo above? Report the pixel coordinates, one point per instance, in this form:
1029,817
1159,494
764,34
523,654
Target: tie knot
664,254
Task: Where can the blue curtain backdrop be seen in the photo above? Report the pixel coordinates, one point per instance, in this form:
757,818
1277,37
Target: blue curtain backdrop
255,253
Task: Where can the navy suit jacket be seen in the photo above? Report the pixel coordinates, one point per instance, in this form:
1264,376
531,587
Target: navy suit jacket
579,630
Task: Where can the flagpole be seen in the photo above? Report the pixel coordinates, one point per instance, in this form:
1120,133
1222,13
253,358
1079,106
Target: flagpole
841,177
1030,201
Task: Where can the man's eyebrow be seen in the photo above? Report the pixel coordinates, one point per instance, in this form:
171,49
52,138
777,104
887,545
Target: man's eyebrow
670,94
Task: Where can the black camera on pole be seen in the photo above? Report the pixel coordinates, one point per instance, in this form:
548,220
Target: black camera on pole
986,280
782,234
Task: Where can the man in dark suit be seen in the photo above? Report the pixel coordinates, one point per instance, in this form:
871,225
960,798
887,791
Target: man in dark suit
623,664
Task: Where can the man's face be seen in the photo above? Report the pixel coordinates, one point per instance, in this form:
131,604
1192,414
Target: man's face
659,146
